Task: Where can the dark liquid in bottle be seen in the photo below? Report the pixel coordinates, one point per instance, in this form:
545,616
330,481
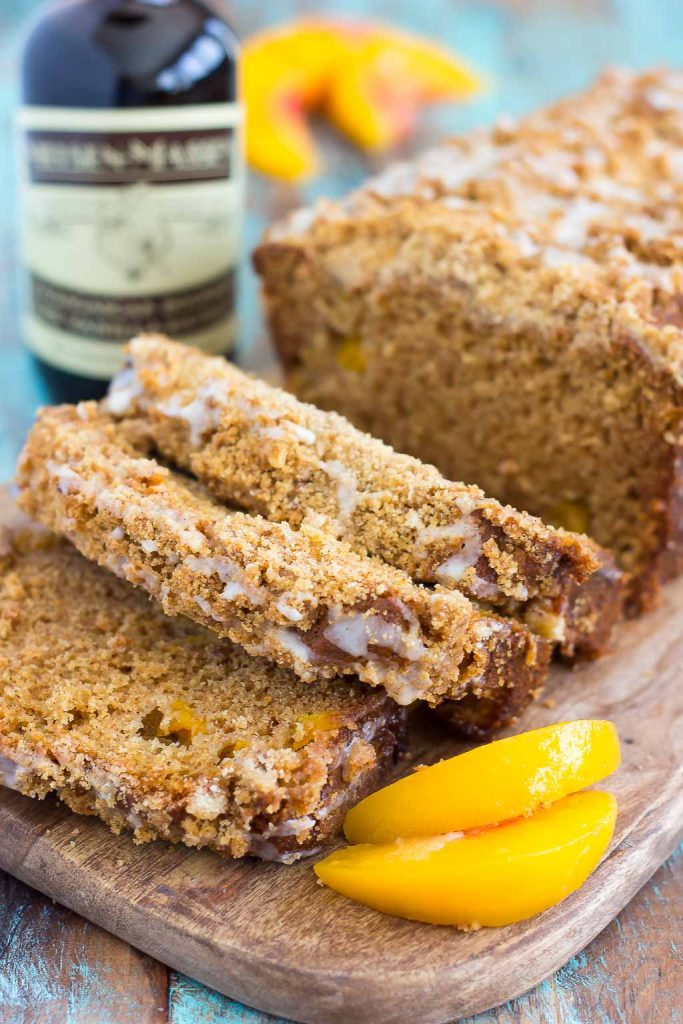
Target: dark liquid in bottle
114,54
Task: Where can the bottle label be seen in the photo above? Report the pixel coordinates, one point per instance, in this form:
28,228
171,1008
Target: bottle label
130,223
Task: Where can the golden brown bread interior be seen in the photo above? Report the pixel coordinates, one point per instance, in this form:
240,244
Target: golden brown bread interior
154,724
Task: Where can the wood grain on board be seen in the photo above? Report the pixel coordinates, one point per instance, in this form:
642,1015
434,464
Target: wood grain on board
270,936
632,972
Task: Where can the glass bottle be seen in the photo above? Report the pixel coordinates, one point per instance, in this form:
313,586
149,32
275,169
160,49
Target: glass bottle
131,183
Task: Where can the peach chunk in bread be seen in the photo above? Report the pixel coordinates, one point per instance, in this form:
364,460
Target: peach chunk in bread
256,446
508,307
156,725
300,598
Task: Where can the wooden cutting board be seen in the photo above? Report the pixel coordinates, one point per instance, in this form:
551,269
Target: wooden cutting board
270,936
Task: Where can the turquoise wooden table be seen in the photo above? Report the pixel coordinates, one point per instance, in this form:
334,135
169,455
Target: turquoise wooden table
56,968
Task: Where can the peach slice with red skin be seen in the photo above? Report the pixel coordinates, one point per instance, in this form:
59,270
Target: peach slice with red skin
489,877
369,79
492,783
377,95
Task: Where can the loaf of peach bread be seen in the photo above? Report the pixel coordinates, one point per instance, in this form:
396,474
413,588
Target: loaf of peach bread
509,307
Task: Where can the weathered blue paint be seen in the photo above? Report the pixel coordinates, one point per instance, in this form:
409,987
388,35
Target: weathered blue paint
55,967
192,1003
530,54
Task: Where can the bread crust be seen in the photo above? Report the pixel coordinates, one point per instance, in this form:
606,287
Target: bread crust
301,598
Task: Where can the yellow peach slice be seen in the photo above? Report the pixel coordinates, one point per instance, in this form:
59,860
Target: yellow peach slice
437,73
375,97
285,73
313,48
491,877
278,141
491,783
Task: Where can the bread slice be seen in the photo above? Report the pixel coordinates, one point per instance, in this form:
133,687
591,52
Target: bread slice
259,447
508,306
300,598
155,725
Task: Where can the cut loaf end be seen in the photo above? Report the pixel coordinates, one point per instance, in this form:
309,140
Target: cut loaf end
508,308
